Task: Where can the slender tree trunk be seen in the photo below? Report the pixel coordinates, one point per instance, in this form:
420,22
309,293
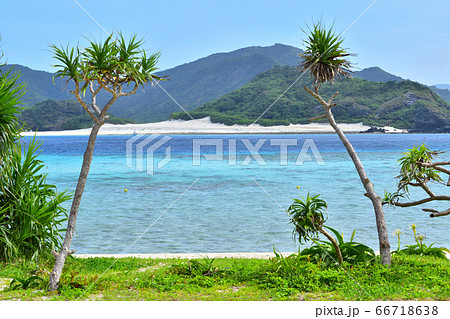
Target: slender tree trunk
385,248
335,244
383,239
55,275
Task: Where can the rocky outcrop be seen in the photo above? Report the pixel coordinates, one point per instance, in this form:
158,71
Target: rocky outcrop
427,121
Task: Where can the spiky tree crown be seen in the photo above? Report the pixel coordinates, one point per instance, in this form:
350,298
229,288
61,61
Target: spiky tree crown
323,57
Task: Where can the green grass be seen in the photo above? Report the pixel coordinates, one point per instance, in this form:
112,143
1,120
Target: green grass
409,278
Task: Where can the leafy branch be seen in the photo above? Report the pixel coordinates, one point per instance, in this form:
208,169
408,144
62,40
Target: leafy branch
418,168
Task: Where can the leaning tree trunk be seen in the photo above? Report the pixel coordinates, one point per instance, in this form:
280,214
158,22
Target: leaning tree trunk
55,275
370,192
334,243
383,239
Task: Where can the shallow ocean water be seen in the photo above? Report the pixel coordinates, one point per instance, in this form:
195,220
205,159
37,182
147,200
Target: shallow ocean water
231,208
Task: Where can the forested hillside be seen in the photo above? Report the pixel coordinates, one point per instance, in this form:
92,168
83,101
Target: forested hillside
191,84
405,104
204,80
51,115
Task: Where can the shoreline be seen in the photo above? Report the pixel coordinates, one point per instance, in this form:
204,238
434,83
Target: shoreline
246,255
206,127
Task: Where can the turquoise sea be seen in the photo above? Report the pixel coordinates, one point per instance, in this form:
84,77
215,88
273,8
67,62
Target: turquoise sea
237,207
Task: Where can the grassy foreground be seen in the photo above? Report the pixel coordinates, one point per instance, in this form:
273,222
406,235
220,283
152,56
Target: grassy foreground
409,278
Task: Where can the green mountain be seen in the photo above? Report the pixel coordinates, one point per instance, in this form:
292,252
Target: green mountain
405,104
40,86
443,93
51,115
191,84
195,83
442,86
376,74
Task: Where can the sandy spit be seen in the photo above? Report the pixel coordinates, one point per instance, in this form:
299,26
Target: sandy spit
205,126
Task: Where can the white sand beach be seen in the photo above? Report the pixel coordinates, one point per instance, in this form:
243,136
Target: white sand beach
205,126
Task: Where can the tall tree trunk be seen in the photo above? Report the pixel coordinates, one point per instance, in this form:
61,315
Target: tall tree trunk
55,275
383,239
334,243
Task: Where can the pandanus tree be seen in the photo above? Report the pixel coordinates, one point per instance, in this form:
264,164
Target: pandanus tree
30,210
116,66
10,94
308,215
325,60
419,168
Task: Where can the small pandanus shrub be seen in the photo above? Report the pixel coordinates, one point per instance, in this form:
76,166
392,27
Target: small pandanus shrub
352,252
309,215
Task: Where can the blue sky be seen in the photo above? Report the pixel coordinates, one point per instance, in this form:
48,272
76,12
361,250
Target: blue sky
410,38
